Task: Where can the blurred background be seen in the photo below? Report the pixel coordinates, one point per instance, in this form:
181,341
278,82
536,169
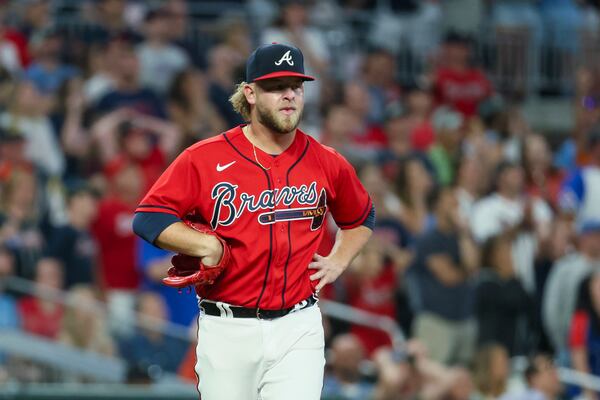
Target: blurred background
474,125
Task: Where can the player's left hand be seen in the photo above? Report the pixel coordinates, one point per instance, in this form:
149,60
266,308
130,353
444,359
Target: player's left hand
328,270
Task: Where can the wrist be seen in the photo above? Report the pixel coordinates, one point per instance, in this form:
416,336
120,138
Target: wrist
339,260
209,245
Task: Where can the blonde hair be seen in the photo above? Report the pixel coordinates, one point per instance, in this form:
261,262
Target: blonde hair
239,102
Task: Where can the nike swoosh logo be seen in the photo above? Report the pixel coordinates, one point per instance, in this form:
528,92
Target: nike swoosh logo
221,168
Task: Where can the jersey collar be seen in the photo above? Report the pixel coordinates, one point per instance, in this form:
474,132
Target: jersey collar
289,155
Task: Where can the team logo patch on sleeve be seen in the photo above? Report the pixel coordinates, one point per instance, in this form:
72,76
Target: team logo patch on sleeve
229,206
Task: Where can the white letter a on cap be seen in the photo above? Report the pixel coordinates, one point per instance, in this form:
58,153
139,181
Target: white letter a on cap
287,57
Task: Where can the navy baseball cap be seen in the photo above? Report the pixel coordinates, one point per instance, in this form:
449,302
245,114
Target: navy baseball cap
274,61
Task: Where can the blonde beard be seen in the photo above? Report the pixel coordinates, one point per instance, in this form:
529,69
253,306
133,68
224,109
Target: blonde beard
278,123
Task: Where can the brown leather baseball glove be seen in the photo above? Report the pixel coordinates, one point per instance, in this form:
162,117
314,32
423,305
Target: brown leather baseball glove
189,271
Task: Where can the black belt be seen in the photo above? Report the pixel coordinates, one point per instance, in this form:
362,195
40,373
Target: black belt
225,310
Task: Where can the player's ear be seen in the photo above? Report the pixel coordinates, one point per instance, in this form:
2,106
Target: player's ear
250,93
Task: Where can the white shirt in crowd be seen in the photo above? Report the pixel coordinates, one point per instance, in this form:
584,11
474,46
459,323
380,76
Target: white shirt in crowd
580,194
561,293
42,147
529,394
163,62
495,214
9,57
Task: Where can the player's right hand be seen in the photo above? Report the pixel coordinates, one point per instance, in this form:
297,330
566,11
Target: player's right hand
193,271
215,251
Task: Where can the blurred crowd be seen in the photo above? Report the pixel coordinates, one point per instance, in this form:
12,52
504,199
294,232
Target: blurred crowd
487,241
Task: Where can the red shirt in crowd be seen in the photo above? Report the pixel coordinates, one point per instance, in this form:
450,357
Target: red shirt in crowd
152,166
375,295
422,136
374,136
463,90
114,233
39,321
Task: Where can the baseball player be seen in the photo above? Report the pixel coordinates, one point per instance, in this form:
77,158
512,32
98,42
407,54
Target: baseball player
246,211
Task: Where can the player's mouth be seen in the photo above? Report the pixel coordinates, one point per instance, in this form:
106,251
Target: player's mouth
288,110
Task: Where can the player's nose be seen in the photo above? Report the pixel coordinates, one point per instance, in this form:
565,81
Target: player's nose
289,93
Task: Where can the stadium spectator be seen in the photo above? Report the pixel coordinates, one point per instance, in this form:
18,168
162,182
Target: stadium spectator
104,20
40,314
153,264
221,71
491,370
579,196
367,132
371,286
344,378
73,243
47,71
35,17
438,284
444,153
456,83
75,137
507,210
584,331
419,103
379,77
186,34
339,132
503,309
13,43
127,92
388,205
84,323
558,246
9,315
28,114
560,293
541,377
157,56
10,60
469,184
541,179
398,129
19,215
125,136
191,109
100,78
413,184
118,274
149,347
12,153
235,33
409,374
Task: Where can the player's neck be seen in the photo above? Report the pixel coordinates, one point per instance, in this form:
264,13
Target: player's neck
267,140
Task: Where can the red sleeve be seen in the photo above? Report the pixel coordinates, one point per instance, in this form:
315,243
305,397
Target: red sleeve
352,204
176,190
579,330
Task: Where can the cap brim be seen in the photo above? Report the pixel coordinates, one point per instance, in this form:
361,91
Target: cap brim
281,74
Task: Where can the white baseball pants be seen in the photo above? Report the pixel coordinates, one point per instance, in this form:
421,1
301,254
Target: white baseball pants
252,359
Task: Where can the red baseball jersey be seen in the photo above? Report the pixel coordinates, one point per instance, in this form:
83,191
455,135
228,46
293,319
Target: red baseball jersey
462,90
273,217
